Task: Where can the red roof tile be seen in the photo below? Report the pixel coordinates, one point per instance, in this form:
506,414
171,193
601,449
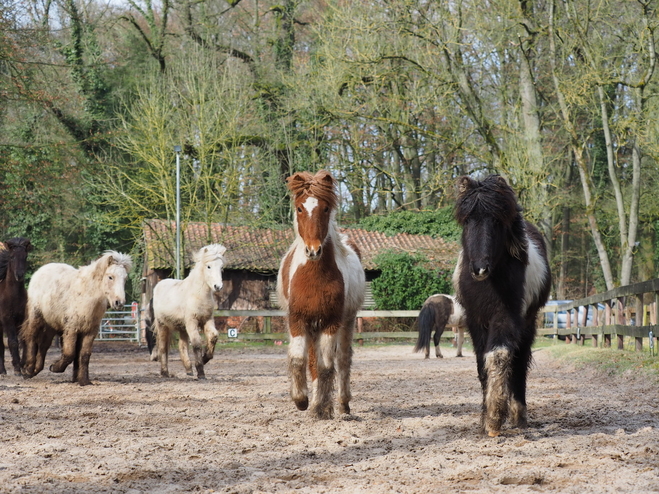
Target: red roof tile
261,250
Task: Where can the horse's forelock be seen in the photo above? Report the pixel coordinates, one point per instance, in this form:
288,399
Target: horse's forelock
114,257
490,197
322,186
209,253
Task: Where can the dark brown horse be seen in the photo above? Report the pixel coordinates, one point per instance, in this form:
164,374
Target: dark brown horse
13,296
321,287
502,280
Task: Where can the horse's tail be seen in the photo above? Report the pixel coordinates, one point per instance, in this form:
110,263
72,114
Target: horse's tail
149,320
424,324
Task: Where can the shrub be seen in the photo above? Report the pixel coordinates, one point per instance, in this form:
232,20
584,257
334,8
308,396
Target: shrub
405,281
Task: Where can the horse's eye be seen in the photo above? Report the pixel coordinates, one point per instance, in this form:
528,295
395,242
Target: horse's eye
327,209
209,266
299,209
110,278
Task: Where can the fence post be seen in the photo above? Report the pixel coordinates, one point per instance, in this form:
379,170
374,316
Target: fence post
607,321
639,320
584,321
595,324
620,319
568,326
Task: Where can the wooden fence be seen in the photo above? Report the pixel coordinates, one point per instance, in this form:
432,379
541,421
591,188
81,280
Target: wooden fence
631,311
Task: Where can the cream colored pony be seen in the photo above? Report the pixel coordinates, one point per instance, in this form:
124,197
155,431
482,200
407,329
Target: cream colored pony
71,302
187,306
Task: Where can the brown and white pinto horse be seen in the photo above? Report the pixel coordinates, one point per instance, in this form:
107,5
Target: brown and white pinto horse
321,286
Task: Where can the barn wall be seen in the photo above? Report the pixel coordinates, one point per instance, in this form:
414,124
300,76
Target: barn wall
244,290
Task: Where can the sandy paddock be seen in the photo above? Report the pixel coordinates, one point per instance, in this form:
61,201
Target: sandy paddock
414,429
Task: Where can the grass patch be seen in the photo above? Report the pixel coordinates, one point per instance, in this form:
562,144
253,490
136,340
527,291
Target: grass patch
607,360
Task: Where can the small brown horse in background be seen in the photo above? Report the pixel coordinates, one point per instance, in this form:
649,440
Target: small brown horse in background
13,297
321,286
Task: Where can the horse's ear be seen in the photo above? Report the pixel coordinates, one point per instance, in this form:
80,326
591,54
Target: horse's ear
464,184
326,177
296,180
502,181
29,247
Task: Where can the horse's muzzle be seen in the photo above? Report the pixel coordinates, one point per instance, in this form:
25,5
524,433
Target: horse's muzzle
313,254
480,274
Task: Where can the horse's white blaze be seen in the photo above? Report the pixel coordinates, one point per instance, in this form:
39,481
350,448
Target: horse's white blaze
310,204
536,274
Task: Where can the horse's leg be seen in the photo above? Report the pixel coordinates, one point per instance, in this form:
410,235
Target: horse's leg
69,341
461,339
83,353
197,347
30,332
76,359
343,364
436,339
183,342
498,365
3,371
297,363
520,367
43,344
162,333
325,345
211,334
12,341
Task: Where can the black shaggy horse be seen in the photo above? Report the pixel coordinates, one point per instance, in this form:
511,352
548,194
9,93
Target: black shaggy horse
502,280
439,311
13,297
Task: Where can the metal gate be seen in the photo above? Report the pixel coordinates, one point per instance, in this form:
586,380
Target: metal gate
121,325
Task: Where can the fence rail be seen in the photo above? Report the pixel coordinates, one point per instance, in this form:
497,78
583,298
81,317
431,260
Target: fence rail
631,311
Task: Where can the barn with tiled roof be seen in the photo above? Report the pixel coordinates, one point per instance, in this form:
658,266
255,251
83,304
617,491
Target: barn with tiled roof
253,256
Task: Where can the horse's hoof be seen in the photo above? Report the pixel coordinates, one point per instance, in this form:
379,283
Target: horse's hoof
344,408
189,373
85,382
55,369
459,355
201,378
493,433
165,374
302,405
440,356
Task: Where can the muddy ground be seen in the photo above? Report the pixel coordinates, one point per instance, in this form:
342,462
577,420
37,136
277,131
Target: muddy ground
414,429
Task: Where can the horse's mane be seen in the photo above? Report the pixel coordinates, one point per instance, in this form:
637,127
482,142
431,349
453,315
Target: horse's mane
492,197
210,253
321,185
5,253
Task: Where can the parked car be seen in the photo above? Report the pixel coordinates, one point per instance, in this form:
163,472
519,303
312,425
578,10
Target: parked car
562,315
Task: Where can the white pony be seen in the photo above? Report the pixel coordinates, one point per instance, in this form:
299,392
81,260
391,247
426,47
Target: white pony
71,302
187,306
